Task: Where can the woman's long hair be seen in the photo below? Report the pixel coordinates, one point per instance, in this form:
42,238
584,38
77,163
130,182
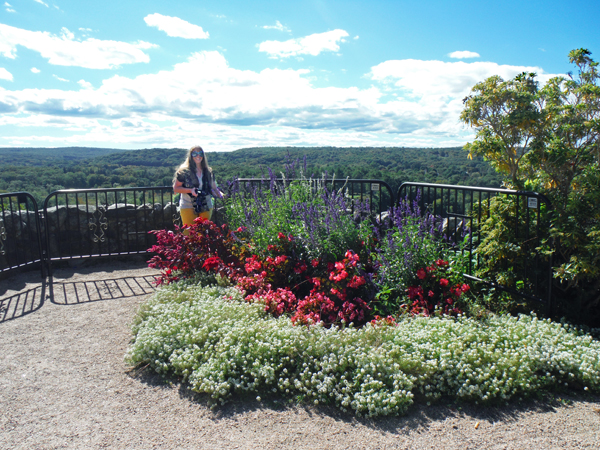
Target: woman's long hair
189,164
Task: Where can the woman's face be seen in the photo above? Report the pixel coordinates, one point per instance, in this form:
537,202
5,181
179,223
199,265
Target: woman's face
197,156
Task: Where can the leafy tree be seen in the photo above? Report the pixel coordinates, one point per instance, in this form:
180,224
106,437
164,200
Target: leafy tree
505,115
547,139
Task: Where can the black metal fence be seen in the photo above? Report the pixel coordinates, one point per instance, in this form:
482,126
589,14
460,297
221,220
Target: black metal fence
20,232
106,222
516,239
376,193
91,223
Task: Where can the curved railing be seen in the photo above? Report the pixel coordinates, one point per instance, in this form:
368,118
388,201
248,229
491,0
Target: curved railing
20,232
468,207
89,223
377,193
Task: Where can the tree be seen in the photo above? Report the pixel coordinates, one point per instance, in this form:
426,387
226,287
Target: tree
547,139
505,115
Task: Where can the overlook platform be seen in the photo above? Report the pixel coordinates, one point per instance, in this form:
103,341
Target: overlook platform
64,384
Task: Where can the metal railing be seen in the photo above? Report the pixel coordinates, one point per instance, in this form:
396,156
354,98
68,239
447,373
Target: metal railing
377,193
91,223
466,209
20,232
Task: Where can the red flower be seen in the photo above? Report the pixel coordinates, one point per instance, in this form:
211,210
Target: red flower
465,287
314,262
252,264
421,274
356,282
211,262
280,259
300,267
415,292
444,282
281,236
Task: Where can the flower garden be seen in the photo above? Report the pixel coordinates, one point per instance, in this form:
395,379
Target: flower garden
303,294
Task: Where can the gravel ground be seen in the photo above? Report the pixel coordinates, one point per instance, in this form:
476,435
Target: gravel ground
63,384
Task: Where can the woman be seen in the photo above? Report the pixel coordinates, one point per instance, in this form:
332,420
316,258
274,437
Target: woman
194,181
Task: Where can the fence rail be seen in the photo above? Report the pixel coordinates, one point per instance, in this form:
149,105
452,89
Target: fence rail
20,232
92,223
527,217
377,193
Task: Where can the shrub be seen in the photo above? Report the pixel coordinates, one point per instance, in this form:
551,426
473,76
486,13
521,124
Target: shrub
225,347
409,243
205,247
319,219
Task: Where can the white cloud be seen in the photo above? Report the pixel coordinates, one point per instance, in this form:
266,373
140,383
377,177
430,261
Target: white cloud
309,45
175,27
5,74
411,103
35,70
463,54
85,84
41,3
64,50
278,26
434,90
438,78
60,79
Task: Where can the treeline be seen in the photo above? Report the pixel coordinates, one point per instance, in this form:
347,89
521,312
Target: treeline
41,171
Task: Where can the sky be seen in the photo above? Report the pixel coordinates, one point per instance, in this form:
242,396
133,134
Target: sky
235,74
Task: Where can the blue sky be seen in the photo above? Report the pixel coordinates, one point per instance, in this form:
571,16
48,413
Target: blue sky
233,74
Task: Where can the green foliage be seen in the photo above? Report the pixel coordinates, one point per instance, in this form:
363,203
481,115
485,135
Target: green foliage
41,171
412,243
510,252
225,348
317,218
548,140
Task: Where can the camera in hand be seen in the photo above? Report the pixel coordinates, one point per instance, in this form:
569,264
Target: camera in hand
200,203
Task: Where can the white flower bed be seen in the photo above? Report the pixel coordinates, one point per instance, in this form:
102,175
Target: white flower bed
223,346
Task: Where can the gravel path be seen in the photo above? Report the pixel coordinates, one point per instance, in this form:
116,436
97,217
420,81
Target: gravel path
63,384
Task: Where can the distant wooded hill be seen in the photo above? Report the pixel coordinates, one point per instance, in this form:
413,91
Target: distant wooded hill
43,170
